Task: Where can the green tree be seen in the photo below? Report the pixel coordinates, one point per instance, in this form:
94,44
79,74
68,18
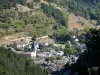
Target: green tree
62,35
15,64
93,40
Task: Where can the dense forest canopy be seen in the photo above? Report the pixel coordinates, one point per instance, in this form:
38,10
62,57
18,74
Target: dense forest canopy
7,4
51,10
90,1
85,8
13,64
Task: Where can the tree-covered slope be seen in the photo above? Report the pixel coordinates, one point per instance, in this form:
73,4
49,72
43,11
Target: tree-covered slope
13,64
85,8
94,2
7,4
22,16
30,22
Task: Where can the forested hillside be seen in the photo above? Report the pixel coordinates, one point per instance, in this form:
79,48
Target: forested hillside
7,4
43,18
22,16
13,64
53,10
85,8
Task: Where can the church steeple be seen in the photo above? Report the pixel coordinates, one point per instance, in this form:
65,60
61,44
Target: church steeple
34,47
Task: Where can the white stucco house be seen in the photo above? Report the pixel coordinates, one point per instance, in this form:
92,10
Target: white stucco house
60,53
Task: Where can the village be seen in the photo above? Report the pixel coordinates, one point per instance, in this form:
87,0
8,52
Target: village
49,55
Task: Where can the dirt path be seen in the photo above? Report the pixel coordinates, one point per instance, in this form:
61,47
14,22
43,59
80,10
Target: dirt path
17,37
